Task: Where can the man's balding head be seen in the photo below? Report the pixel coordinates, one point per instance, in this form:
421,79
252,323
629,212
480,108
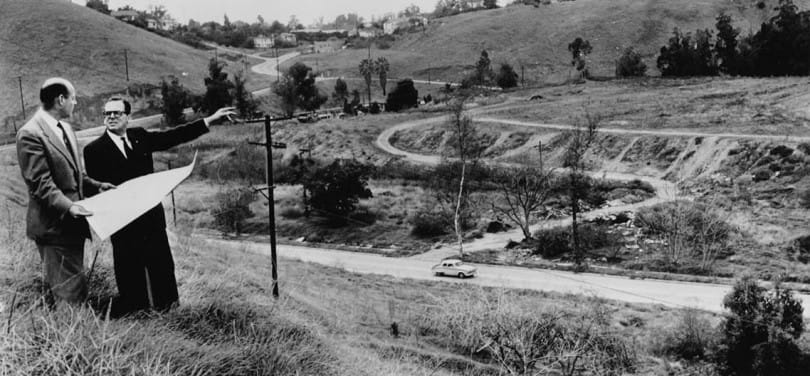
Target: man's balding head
59,91
52,89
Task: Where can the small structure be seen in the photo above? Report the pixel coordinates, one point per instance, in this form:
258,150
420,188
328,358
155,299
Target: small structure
263,41
330,45
152,23
125,15
371,32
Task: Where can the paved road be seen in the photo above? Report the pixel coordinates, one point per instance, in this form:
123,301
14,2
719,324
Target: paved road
669,293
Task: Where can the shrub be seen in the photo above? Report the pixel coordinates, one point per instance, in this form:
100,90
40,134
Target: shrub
232,208
428,223
690,232
630,64
557,241
506,77
336,188
759,336
403,97
692,338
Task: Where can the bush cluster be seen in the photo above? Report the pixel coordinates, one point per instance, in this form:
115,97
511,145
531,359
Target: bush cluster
556,242
778,48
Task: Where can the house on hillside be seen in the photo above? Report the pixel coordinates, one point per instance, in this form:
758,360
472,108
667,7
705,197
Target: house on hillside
390,26
263,41
152,23
128,15
330,45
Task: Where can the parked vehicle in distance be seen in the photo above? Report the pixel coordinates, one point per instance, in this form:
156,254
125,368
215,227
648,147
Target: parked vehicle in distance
454,267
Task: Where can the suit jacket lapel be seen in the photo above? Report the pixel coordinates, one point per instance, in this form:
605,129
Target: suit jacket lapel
56,141
112,148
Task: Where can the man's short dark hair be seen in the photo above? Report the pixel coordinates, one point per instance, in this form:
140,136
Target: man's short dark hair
48,94
127,106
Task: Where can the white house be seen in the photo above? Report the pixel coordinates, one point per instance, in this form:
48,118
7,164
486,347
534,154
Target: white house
263,41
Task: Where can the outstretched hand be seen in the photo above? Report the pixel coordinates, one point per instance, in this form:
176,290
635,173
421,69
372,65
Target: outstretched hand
222,112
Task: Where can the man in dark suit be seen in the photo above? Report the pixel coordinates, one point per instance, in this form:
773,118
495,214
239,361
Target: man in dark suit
142,258
52,169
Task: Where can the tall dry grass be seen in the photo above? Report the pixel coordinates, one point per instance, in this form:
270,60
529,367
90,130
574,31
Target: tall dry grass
221,328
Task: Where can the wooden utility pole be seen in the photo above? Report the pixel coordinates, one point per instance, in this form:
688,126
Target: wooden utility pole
126,64
540,152
522,82
278,69
268,137
22,100
174,207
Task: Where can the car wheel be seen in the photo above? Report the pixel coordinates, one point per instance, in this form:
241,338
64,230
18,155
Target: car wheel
439,273
461,275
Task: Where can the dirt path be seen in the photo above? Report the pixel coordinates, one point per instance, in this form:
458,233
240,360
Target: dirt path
665,191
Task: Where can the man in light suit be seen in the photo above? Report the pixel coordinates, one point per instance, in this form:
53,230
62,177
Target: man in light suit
52,169
142,258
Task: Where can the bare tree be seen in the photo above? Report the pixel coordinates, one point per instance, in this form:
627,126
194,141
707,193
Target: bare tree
525,190
580,140
465,147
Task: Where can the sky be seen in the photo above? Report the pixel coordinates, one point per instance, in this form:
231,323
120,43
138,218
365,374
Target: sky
307,11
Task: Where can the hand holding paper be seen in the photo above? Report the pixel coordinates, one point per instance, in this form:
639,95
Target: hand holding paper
115,208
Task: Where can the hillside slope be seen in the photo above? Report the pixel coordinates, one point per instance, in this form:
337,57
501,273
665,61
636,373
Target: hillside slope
538,38
45,38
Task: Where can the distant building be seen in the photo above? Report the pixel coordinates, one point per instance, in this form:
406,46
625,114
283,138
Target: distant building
372,32
330,45
152,23
263,41
125,15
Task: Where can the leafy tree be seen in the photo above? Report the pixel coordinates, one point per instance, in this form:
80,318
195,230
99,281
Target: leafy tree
507,77
217,88
341,93
245,103
726,44
233,208
367,70
630,64
309,97
337,188
483,70
175,100
687,56
580,48
403,97
296,89
759,336
382,67
490,4
98,6
285,90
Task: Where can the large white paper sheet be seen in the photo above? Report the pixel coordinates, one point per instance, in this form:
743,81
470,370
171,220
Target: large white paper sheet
114,209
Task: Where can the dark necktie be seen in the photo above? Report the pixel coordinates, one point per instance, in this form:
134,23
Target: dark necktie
127,149
66,140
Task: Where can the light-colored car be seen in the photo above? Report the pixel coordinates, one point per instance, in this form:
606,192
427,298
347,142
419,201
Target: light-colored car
454,267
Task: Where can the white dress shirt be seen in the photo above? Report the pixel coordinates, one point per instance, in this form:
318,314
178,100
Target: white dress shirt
51,121
120,143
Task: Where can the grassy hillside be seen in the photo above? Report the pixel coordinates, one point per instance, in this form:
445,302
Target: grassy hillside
57,38
538,38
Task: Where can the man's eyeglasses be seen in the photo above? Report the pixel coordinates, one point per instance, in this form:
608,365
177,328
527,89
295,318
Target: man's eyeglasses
114,113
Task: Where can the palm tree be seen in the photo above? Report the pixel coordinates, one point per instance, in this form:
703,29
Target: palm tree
382,67
367,69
